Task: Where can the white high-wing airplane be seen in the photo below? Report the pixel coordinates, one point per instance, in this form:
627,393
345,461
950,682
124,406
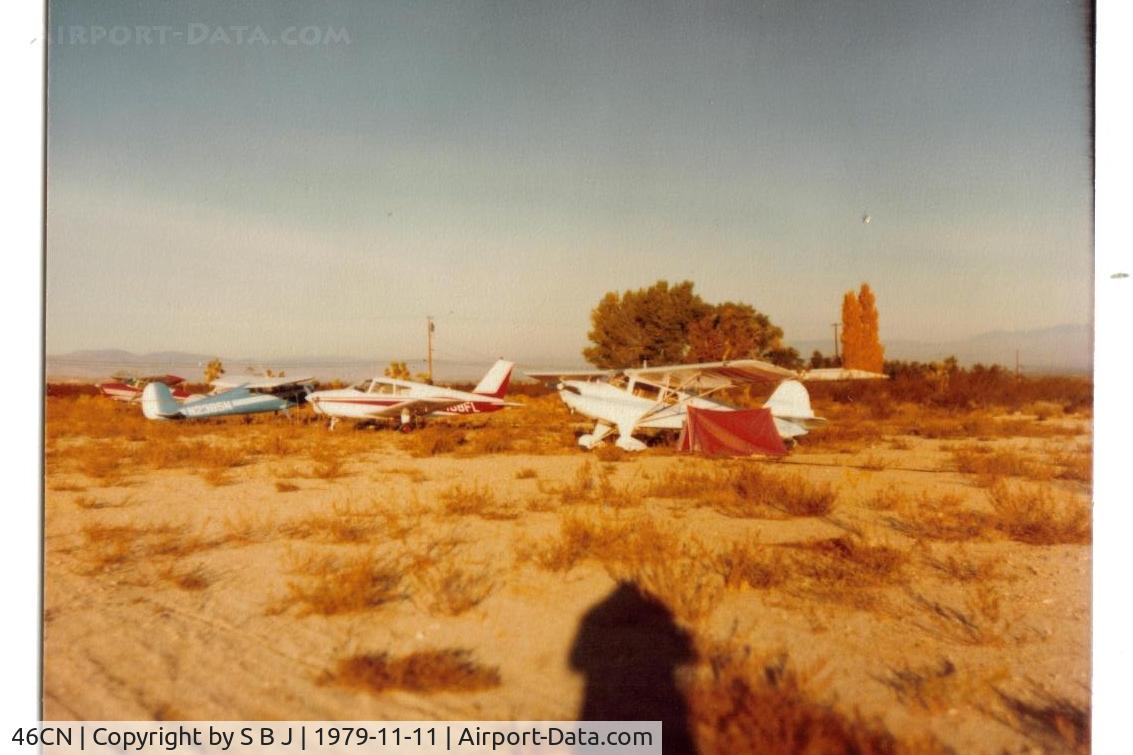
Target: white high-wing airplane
658,397
387,398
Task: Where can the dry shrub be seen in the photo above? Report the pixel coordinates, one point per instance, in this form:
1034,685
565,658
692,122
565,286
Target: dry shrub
336,584
492,439
751,564
1035,515
960,567
687,483
843,562
412,473
192,579
527,473
933,688
477,500
941,517
791,494
112,547
746,492
327,464
990,463
1076,465
285,487
344,523
453,590
87,502
1043,410
106,467
872,463
1056,723
981,620
609,539
423,671
887,499
610,453
435,440
216,476
595,486
737,702
678,581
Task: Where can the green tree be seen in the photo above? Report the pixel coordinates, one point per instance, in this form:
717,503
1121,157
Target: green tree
646,325
736,331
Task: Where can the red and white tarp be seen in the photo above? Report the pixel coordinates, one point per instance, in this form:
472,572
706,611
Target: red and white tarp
731,433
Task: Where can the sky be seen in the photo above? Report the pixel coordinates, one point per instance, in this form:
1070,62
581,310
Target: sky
312,179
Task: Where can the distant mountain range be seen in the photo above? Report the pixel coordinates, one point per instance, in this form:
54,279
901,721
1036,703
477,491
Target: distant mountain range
1061,349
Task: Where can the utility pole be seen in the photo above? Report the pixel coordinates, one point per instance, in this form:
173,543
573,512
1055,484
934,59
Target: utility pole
835,340
1016,363
429,340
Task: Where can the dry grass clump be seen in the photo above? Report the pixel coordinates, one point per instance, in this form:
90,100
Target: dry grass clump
477,500
980,621
626,541
844,562
1054,722
216,476
960,567
88,502
751,565
791,494
746,491
423,671
453,590
344,523
1036,515
736,701
411,473
113,547
332,584
992,463
282,486
491,439
940,517
595,486
933,688
192,579
435,440
527,473
677,579
327,464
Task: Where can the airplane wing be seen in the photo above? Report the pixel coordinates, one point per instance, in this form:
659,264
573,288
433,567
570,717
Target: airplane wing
711,375
555,377
839,373
253,382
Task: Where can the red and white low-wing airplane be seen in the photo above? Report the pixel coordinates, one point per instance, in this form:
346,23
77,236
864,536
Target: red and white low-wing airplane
657,398
405,400
130,389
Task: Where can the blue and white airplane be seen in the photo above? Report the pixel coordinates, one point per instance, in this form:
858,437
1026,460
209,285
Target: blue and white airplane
251,396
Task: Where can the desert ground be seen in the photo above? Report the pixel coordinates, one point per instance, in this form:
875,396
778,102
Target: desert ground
908,579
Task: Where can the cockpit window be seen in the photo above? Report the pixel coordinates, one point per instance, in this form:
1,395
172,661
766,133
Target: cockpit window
364,386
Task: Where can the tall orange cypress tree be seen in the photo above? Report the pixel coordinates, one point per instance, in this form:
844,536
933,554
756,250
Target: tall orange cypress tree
872,356
851,330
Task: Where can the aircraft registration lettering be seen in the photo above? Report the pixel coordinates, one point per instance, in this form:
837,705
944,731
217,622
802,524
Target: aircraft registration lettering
467,407
211,408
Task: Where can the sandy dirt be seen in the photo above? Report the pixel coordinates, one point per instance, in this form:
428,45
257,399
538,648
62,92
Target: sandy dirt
169,595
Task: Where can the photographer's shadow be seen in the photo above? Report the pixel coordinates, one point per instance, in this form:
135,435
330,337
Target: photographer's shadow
628,647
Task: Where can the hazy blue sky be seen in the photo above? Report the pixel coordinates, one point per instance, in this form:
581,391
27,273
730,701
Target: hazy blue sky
501,165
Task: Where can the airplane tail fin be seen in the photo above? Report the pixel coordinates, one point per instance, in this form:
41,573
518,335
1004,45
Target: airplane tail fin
158,402
496,381
790,401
